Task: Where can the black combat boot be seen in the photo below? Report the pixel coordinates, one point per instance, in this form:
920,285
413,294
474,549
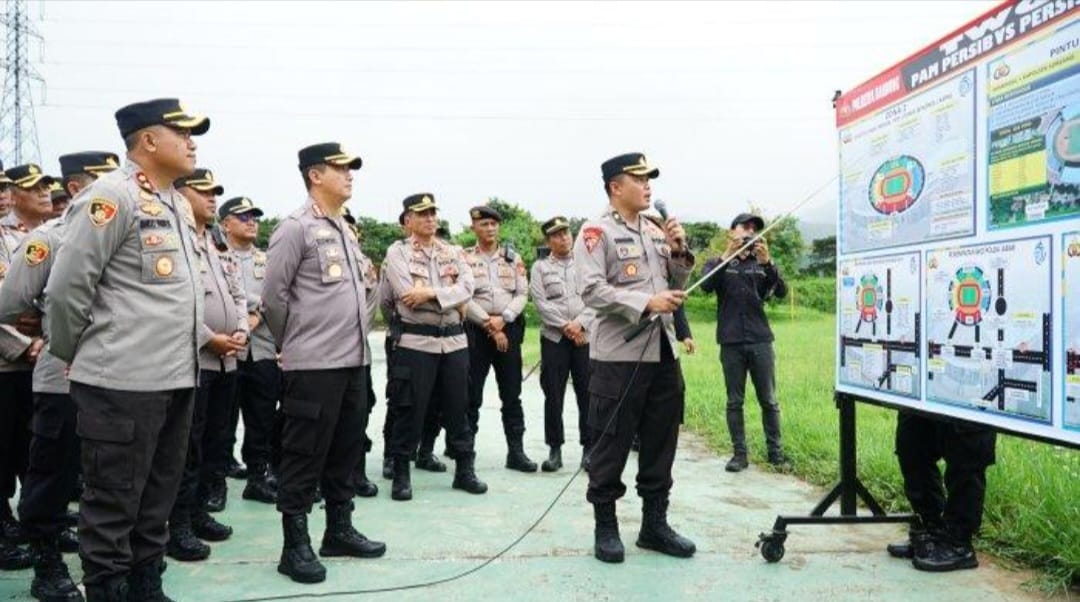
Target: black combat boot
401,490
341,539
52,582
69,542
14,558
387,467
362,485
183,545
234,469
113,590
10,529
554,461
609,547
144,584
657,535
426,460
919,543
516,458
298,560
465,476
946,553
207,528
258,489
216,496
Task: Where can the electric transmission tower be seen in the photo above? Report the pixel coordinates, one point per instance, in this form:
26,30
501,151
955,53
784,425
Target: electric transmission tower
18,131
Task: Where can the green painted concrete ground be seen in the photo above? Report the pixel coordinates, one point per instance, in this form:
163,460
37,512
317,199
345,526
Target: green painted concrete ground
444,532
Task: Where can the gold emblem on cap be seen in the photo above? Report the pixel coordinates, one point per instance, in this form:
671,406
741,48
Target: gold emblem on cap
111,162
245,203
33,169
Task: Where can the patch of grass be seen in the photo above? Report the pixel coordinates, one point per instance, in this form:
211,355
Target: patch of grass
1033,497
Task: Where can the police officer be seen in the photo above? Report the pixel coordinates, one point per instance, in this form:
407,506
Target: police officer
60,200
496,329
564,337
743,332
631,266
125,307
54,446
429,283
16,352
225,329
258,385
31,207
949,516
315,304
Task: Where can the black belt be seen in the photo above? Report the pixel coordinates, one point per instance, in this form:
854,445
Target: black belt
428,330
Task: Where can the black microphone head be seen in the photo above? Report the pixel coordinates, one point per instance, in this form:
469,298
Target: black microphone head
661,208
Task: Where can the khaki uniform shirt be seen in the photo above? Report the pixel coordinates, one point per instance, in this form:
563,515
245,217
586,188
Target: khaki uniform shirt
313,299
621,267
24,291
253,269
501,286
13,344
556,292
442,267
226,302
124,299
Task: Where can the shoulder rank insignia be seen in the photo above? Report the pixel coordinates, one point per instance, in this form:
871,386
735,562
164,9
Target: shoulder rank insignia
36,252
101,211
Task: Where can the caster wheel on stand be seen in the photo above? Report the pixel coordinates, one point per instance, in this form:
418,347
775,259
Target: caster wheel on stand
771,546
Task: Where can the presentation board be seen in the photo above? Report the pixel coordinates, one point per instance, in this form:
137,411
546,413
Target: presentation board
958,267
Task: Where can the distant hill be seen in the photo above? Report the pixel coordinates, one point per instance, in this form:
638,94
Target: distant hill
814,230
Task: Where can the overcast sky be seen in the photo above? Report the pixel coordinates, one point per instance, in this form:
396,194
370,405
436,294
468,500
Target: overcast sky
469,100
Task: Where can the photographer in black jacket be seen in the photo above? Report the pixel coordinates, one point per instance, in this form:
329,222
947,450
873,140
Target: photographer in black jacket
742,330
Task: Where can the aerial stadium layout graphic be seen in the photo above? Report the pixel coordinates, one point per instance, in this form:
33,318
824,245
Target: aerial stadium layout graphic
879,325
908,171
988,329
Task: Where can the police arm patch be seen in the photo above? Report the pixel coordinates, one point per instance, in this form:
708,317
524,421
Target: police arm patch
101,211
36,252
591,236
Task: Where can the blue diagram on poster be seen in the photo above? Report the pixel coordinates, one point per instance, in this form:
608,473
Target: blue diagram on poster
908,173
880,324
988,333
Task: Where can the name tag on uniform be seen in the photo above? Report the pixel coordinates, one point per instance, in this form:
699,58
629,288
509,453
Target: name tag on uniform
628,251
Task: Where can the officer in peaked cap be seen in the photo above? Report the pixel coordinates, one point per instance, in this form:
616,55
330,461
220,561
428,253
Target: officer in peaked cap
564,337
258,386
130,243
631,268
225,325
53,469
315,303
428,283
31,207
496,329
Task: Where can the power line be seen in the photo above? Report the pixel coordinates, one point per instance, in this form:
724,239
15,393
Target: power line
473,117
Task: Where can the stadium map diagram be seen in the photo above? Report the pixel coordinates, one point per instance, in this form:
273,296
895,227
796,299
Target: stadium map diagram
1072,330
880,323
908,173
988,327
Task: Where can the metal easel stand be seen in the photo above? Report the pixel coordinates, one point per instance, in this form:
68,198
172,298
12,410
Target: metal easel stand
848,490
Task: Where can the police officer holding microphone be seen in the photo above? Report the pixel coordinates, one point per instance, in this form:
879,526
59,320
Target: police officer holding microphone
631,266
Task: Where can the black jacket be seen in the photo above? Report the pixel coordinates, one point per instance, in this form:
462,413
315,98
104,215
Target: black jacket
742,287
